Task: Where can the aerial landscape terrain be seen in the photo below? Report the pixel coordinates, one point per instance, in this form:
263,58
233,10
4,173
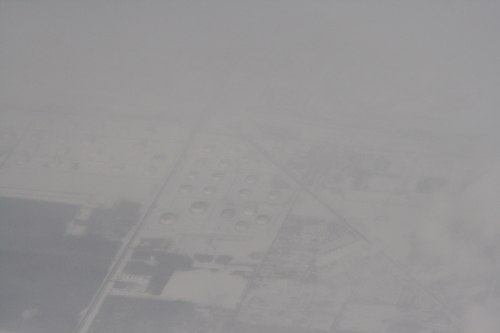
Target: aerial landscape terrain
249,167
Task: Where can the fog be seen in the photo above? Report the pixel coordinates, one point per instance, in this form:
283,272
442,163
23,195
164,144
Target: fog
378,117
370,57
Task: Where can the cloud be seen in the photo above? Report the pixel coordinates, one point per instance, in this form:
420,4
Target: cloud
462,228
461,233
480,319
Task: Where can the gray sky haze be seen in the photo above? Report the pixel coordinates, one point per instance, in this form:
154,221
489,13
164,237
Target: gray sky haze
384,114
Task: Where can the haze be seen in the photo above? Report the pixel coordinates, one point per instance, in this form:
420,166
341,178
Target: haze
380,117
